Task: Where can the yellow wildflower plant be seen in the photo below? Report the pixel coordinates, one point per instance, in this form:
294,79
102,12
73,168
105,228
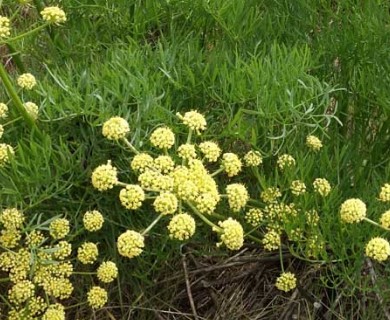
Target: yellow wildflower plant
253,159
6,152
285,161
115,128
322,186
87,253
162,138
287,281
313,142
97,297
5,30
384,194
353,210
194,120
104,177
93,220
107,272
232,234
181,227
130,244
3,111
378,249
32,109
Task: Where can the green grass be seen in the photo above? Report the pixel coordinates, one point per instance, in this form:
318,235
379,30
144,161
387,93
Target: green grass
265,74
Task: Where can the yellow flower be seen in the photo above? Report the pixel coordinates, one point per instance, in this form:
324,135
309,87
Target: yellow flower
384,195
353,210
271,240
104,177
141,162
206,202
97,297
5,30
130,244
322,186
270,195
87,253
385,219
12,218
60,288
3,111
107,272
115,128
297,187
312,217
131,196
59,228
231,163
1,130
21,291
35,238
93,220
286,282
237,196
210,150
54,312
194,120
53,15
64,249
254,216
165,203
378,249
32,109
186,151
164,164
181,227
313,143
162,138
232,234
9,238
26,81
253,159
5,152
285,161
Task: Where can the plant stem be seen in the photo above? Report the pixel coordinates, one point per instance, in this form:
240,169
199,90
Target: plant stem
28,33
216,172
16,58
202,217
127,142
152,225
375,224
17,102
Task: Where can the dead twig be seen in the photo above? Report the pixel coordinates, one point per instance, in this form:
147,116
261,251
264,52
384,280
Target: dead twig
188,286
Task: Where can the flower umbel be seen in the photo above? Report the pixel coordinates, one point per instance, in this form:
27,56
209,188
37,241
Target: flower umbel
313,143
53,15
107,272
378,249
322,186
181,227
87,253
26,81
194,120
115,128
237,195
130,244
93,220
231,163
131,196
384,194
104,177
97,297
162,138
286,281
232,234
353,210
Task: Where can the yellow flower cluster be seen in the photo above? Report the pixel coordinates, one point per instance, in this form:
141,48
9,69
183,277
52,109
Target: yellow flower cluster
378,249
115,128
152,180
93,220
59,228
130,244
254,216
5,152
210,150
353,210
322,186
131,196
3,111
231,163
253,159
385,219
87,253
165,203
12,218
32,109
271,240
21,291
232,234
104,177
286,282
26,81
297,187
270,195
54,312
107,272
285,161
194,120
164,164
64,249
313,142
5,30
312,217
162,138
186,151
237,196
1,130
97,297
141,162
384,194
181,227
53,15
